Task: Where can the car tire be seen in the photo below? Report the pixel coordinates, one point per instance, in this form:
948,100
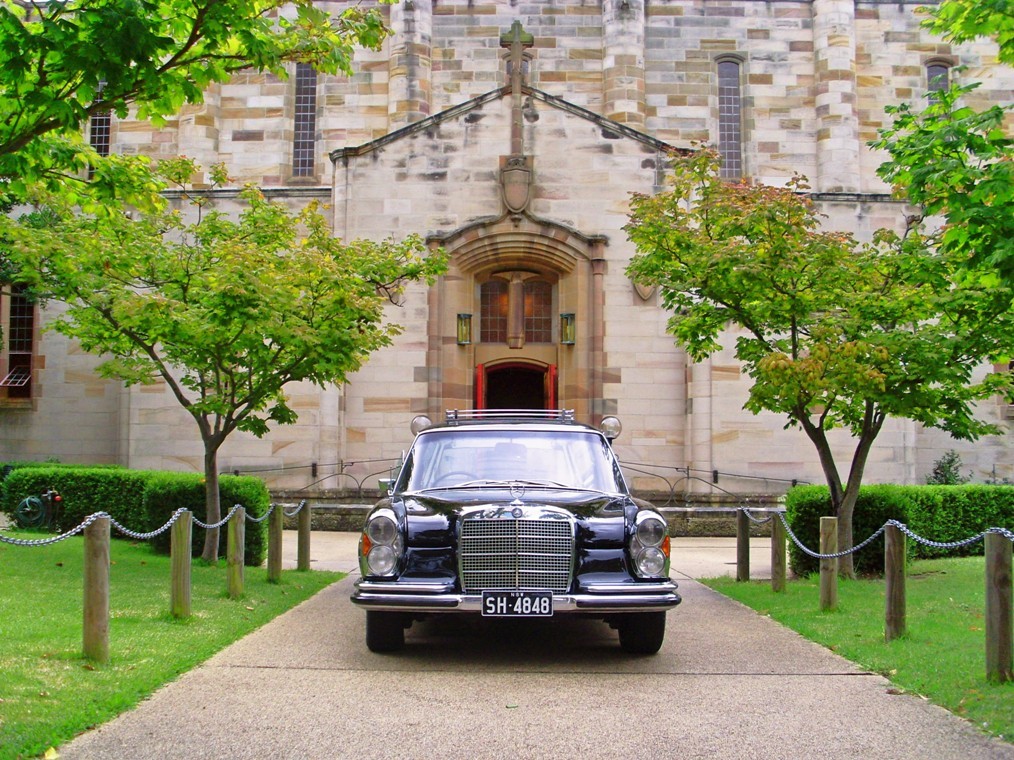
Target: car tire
642,632
385,631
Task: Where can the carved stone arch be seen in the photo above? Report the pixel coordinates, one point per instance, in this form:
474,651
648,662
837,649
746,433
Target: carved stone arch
572,261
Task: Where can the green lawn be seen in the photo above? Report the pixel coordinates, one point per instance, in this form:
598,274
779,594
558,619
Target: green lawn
49,692
942,657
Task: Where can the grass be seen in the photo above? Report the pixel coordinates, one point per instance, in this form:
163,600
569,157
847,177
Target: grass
49,693
941,657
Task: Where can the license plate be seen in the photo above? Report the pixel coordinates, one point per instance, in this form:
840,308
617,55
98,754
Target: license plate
517,603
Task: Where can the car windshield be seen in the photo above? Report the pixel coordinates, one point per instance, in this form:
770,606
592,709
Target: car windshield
567,458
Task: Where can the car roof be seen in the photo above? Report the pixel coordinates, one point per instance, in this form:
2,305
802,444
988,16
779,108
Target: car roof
514,419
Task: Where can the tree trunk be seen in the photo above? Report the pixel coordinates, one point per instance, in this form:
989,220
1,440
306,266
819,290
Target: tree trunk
212,503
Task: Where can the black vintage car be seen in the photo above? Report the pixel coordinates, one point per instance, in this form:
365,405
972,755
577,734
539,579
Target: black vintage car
514,514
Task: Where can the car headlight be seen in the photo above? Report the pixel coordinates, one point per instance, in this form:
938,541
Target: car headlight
649,545
381,545
651,561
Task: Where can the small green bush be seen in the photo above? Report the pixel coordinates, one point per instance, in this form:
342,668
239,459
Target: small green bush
943,514
168,491
140,500
84,491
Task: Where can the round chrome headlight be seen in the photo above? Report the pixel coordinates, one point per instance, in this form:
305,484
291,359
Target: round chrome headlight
382,530
651,531
382,560
650,561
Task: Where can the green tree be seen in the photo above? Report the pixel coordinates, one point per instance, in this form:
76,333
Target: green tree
956,162
834,333
62,62
225,311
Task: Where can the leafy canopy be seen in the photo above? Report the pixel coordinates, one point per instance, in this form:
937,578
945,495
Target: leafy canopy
833,332
956,162
226,309
64,60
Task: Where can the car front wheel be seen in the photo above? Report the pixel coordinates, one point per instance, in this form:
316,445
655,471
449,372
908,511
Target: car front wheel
385,631
642,632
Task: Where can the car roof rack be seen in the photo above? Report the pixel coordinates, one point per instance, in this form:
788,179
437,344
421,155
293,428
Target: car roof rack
501,415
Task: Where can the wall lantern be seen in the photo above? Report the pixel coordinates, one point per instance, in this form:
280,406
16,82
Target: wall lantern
464,329
568,329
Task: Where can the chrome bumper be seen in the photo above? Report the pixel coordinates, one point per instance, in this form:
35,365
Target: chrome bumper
441,597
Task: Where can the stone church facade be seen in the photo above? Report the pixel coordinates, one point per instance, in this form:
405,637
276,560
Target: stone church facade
511,133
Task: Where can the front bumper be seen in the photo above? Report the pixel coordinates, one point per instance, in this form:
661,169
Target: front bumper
442,597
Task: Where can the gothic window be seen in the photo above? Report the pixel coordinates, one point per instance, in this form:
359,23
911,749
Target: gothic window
17,314
516,310
493,311
304,144
538,312
937,76
730,119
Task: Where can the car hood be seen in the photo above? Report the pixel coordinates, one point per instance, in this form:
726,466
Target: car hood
433,519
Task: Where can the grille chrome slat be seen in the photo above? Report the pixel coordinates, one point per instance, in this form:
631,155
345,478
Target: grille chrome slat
516,554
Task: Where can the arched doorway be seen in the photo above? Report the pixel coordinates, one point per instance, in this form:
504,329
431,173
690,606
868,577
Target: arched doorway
515,385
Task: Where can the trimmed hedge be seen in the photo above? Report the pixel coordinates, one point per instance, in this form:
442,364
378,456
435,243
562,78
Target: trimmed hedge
942,514
141,500
168,491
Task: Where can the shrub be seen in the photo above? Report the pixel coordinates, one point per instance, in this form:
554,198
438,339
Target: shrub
140,500
168,491
942,514
947,471
84,490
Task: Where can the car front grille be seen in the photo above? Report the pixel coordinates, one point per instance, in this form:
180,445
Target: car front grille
516,554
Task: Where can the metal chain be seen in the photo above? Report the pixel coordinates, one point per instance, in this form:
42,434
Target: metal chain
263,517
900,526
1009,535
756,520
221,522
835,555
297,510
55,539
145,536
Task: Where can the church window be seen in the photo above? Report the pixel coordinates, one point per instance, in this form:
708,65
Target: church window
304,144
516,310
17,315
730,119
493,311
937,76
538,312
99,134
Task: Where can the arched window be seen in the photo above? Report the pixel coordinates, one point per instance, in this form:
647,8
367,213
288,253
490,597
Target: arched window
730,119
937,77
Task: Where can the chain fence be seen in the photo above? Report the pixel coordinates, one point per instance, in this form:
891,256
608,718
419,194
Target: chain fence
858,547
90,519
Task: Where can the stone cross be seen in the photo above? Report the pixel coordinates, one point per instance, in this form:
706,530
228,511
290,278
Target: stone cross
516,40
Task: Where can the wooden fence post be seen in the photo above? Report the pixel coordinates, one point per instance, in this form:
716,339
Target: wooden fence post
777,554
742,545
828,567
303,549
180,553
999,665
894,583
275,544
235,552
96,591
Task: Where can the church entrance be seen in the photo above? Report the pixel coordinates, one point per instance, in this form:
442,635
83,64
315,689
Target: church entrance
515,385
